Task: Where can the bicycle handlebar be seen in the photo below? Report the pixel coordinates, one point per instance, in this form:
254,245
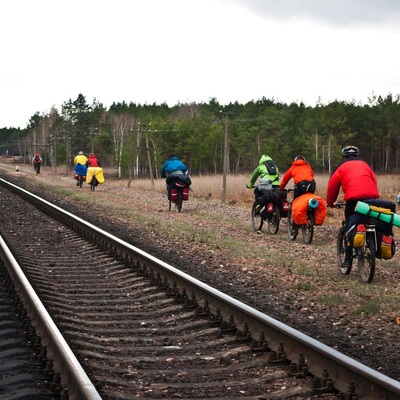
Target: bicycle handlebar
339,205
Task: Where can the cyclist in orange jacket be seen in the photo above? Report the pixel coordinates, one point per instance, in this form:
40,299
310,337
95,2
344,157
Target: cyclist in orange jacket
303,177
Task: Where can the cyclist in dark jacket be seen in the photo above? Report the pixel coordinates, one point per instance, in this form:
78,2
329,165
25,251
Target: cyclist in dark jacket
36,161
358,182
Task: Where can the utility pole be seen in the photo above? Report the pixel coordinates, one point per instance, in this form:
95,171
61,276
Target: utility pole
225,160
149,156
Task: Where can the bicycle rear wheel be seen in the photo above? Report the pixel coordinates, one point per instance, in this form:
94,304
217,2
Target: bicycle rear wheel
273,222
178,203
93,184
308,229
290,225
341,253
366,259
256,219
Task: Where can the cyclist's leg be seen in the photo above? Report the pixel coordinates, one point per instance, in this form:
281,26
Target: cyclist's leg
348,253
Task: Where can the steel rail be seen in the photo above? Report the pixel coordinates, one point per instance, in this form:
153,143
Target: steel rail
342,370
73,377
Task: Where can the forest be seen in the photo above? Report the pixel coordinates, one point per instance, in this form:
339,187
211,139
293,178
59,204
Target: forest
135,139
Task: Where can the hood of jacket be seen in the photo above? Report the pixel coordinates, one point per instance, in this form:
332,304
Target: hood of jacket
263,159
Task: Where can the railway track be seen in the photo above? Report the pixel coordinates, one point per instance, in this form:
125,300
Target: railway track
140,328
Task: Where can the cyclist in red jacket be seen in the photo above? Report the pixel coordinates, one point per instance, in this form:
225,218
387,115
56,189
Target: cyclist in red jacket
92,161
358,182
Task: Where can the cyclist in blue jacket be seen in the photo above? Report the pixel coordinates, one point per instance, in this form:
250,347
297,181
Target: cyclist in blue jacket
171,168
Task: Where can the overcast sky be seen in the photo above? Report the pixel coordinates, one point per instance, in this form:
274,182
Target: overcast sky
179,51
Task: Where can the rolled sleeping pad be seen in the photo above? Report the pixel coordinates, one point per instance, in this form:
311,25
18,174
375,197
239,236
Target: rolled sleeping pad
313,203
388,217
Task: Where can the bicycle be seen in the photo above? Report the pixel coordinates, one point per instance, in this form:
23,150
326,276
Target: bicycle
179,192
274,210
306,229
93,184
80,180
36,167
365,255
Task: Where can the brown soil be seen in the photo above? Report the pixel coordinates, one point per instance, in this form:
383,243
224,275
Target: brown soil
296,283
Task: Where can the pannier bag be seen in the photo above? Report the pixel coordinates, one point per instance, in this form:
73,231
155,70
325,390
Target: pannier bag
386,245
386,249
95,172
355,230
174,194
383,212
306,187
267,211
284,209
355,236
300,206
185,193
83,177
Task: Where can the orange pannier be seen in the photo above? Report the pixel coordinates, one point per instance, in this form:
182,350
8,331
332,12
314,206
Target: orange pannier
299,209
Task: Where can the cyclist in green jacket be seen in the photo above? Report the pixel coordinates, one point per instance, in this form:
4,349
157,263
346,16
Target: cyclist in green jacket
268,174
262,172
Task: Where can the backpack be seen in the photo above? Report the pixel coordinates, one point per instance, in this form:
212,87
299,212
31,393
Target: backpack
271,167
37,158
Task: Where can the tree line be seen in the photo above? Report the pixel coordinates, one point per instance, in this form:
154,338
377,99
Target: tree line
135,139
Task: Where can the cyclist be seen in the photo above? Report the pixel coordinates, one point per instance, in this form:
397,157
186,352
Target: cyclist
303,177
80,159
80,165
92,161
172,168
94,170
358,182
263,171
36,160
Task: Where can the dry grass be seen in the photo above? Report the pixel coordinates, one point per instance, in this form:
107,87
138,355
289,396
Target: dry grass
210,187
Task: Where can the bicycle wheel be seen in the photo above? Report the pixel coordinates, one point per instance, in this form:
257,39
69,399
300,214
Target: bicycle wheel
93,184
308,229
273,222
291,230
256,219
366,259
341,253
178,203
80,180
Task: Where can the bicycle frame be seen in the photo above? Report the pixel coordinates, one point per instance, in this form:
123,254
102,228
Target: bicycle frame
273,220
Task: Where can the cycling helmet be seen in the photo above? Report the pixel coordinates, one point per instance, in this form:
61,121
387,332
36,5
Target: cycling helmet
350,151
91,155
300,157
80,153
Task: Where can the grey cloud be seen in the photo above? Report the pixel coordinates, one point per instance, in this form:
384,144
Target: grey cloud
335,12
